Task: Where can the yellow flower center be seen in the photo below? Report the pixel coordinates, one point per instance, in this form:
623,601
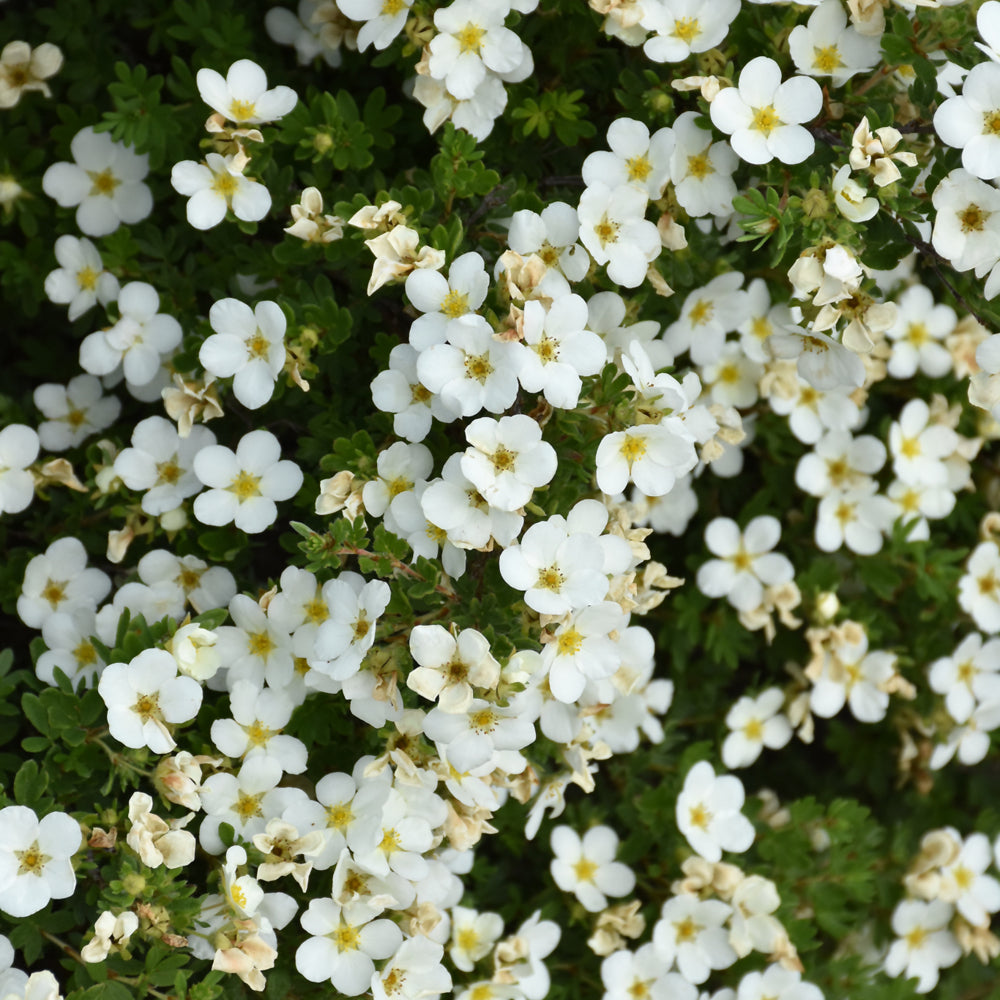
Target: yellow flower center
398,485
470,38
467,938
686,929
606,230
729,373
503,459
245,486
754,730
699,166
260,644
189,579
241,111
550,579
147,706
248,806
455,304
339,816
361,627
686,29
547,350
917,334
765,119
75,418
225,184
258,345
483,721
963,878
317,611
419,394
31,861
584,869
258,734
389,842
632,449
638,167
85,654
991,123
54,592
973,219
701,312
826,59
345,938
478,367
910,447
356,884
390,8
168,472
239,897
569,642
699,816
916,937
86,278
104,182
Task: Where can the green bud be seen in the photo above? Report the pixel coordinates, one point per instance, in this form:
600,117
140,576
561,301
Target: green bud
134,884
815,204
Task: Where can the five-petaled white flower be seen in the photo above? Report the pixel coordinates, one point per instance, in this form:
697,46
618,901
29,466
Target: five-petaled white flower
105,181
764,116
245,485
242,96
35,858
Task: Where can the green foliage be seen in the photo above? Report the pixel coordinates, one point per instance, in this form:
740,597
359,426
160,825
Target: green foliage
556,111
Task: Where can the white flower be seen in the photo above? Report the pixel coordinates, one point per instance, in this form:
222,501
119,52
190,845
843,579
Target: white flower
507,459
777,983
925,945
137,341
653,456
560,350
242,97
343,942
473,370
35,854
746,565
920,327
80,279
474,736
635,158
613,229
965,883
972,122
827,46
382,20
105,181
414,972
217,185
852,674
245,484
851,198
399,391
146,694
473,935
248,344
471,39
708,813
450,665
59,580
973,664
161,463
764,115
556,571
684,27
110,929
690,933
856,517
701,169
156,841
18,449
586,867
442,300
552,237
708,314
581,649
755,723
401,467
73,412
979,588
255,730
628,975
25,69
920,447
967,224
